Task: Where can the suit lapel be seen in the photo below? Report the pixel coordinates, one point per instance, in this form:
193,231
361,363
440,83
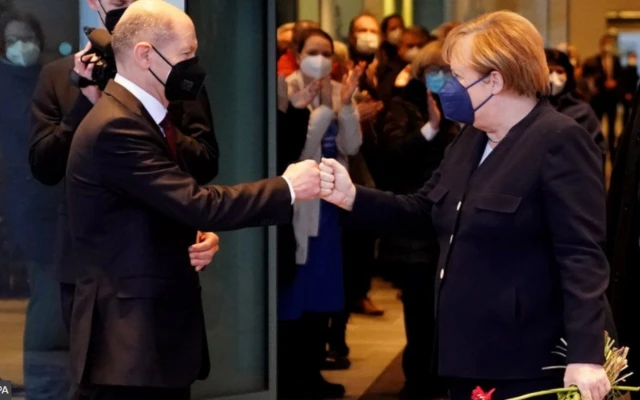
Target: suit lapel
129,101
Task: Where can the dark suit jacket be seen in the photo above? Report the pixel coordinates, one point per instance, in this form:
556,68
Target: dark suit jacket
58,107
521,247
134,211
594,68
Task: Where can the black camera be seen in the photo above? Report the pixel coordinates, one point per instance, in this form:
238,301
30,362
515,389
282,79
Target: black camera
104,68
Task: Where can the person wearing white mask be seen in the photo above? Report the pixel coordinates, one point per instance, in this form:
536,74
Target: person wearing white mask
392,27
364,38
29,209
564,97
315,292
413,39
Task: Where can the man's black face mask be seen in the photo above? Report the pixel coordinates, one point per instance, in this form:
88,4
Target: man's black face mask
185,79
112,17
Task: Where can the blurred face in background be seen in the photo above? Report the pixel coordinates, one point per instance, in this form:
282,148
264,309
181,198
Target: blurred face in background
366,34
316,57
110,11
632,59
411,45
393,34
21,44
606,45
557,79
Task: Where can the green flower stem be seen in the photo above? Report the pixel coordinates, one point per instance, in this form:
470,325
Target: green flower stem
570,389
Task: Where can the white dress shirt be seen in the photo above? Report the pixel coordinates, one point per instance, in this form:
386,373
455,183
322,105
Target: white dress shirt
158,112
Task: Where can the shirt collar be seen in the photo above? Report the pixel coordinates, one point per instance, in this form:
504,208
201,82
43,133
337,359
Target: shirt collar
150,103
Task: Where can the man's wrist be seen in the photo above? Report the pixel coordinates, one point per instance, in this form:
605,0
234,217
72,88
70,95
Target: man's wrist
291,191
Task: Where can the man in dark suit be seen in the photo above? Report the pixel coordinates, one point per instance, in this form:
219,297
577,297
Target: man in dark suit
137,329
606,71
58,107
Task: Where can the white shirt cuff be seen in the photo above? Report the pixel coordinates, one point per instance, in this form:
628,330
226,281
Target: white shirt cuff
293,193
428,132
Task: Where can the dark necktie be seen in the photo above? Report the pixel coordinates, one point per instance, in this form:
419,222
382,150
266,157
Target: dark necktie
170,134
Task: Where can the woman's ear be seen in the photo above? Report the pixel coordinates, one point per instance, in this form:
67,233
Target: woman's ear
497,82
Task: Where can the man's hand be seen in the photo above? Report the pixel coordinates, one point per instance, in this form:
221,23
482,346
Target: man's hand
337,187
90,92
610,84
201,253
304,178
591,380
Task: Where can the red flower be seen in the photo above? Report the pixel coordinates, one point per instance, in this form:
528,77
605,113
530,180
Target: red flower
479,394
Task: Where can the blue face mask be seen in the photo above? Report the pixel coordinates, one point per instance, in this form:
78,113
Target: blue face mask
456,103
435,81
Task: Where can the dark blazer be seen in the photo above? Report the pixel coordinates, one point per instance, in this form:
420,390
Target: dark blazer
521,237
134,211
594,68
623,233
58,107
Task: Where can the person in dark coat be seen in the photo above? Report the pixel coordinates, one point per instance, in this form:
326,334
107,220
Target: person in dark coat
29,209
623,234
564,97
518,207
410,159
629,83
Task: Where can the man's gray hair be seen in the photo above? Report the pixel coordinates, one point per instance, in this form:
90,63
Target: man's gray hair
138,27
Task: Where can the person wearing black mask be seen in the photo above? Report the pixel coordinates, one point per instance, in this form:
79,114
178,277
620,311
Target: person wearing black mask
565,99
412,143
59,108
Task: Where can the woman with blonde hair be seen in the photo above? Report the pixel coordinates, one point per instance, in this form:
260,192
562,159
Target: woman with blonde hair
518,209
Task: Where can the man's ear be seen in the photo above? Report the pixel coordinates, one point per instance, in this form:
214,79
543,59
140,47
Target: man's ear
142,54
93,4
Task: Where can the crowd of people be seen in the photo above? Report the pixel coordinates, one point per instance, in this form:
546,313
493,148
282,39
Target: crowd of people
464,164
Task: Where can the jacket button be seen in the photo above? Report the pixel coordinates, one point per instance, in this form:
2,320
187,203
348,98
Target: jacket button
442,273
459,206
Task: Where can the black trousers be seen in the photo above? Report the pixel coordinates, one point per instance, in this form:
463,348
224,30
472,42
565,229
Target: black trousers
359,259
104,392
461,389
417,285
301,349
67,291
608,105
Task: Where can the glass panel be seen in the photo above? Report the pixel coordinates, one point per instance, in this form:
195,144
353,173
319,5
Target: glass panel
233,46
33,339
550,17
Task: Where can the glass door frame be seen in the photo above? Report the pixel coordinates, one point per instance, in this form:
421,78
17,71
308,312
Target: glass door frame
271,84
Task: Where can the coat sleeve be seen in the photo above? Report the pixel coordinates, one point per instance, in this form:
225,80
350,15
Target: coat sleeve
574,205
52,131
131,163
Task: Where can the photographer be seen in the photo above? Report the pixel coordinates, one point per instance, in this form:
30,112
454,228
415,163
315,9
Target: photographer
58,108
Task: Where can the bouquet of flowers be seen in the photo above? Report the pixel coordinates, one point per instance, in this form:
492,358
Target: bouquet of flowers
614,365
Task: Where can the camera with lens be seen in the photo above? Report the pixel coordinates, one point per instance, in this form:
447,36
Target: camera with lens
104,68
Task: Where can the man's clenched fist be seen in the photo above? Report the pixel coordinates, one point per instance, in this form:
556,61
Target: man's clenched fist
304,178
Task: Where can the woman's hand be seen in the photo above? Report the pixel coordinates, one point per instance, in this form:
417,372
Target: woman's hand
368,110
302,97
283,96
350,83
435,116
591,380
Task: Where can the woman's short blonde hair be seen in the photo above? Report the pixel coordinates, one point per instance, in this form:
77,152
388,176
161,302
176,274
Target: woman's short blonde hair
506,42
429,55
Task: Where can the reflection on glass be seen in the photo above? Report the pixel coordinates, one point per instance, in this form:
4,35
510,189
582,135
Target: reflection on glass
33,345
